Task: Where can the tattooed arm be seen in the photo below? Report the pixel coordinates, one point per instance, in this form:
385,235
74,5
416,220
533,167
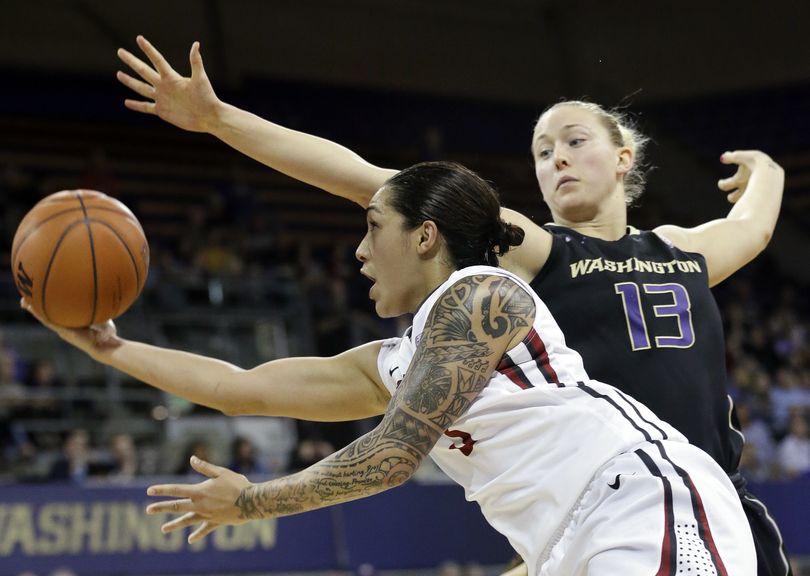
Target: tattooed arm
470,328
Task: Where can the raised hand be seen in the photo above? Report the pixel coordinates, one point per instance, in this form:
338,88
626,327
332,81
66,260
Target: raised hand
210,504
747,161
188,103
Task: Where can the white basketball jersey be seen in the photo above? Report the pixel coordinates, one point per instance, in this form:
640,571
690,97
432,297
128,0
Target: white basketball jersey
537,434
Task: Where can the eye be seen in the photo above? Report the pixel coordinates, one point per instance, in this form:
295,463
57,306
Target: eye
576,141
544,153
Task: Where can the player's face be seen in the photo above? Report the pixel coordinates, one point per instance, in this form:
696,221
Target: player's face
389,260
579,169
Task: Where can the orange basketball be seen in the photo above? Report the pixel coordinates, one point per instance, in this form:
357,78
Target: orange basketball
79,257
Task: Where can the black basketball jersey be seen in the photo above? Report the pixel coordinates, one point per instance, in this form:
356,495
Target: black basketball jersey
641,314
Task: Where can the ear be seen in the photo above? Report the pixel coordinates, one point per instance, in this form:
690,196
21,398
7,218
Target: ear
428,238
624,160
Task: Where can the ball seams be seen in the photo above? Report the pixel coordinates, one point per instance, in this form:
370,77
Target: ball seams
86,221
54,252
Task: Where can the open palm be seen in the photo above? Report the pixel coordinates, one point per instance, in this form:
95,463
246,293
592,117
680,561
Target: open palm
188,103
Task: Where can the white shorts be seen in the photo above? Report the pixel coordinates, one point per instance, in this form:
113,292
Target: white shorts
664,509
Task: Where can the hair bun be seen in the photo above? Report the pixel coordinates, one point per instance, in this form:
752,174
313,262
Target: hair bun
506,235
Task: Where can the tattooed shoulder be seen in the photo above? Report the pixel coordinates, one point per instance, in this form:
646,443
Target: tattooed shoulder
480,305
506,307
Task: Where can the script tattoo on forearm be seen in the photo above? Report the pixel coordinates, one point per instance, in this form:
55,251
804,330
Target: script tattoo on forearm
463,340
385,457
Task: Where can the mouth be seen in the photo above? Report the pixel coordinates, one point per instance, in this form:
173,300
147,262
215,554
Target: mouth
373,282
367,275
565,180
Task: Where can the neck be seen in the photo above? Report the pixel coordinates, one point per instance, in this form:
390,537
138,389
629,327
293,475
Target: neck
436,275
609,222
612,230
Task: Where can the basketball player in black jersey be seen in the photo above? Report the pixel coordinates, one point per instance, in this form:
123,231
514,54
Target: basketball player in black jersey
636,305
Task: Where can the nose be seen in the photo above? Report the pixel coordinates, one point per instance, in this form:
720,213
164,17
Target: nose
560,159
362,250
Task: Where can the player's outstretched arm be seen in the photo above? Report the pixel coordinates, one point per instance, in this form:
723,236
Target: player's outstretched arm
343,387
191,104
730,243
470,328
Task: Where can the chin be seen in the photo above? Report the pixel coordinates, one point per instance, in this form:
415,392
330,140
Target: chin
384,311
380,309
578,211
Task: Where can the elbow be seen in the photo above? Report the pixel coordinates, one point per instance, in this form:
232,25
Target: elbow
402,469
399,475
232,411
226,399
767,234
399,479
757,234
761,238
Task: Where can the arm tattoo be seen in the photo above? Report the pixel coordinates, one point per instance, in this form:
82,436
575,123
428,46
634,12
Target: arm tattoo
452,313
505,308
467,333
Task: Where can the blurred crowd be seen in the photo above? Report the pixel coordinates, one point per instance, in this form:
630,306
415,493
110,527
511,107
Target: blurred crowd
768,357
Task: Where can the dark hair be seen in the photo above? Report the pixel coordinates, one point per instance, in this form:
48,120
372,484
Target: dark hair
464,207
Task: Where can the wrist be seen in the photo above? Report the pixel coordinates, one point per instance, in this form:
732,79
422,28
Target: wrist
246,503
110,352
216,120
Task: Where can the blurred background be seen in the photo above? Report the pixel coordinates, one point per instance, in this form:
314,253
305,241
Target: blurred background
249,265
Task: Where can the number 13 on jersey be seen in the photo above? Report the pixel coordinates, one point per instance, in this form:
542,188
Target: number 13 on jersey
679,308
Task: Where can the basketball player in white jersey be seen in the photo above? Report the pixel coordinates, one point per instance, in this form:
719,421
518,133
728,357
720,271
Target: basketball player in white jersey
579,477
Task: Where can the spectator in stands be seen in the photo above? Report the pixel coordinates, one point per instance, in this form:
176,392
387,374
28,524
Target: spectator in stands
16,444
124,457
244,458
759,345
311,446
759,452
794,449
219,256
43,389
786,395
74,464
12,391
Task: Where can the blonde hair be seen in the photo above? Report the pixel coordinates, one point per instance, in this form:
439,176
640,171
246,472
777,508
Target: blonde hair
623,132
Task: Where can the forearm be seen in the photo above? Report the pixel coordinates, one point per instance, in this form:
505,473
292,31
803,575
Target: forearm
305,157
758,208
382,459
309,388
199,379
